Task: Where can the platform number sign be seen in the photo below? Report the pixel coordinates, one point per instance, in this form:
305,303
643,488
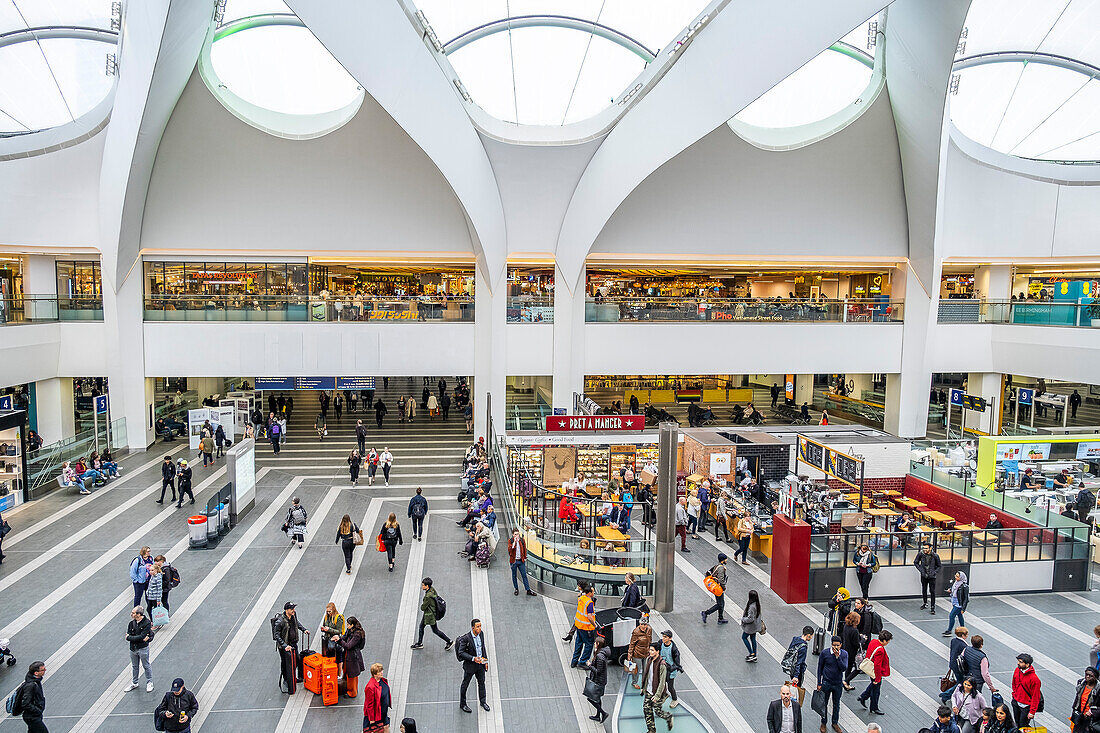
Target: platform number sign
100,403
5,402
957,397
1026,396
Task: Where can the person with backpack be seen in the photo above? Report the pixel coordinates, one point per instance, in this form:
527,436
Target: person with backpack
390,533
139,573
960,597
655,690
167,478
29,700
671,654
418,509
274,432
1027,691
718,588
361,436
870,622
206,448
183,483
876,652
928,564
139,632
295,523
171,579
1085,503
285,629
177,708
468,414
432,609
793,663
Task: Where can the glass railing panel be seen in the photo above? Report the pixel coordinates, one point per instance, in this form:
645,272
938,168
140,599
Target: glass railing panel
616,309
530,309
1022,312
306,308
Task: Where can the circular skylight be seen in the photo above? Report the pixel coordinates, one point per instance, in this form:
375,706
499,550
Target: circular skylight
272,72
53,57
1026,79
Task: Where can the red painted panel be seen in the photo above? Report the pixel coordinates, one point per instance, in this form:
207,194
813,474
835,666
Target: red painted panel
790,565
963,509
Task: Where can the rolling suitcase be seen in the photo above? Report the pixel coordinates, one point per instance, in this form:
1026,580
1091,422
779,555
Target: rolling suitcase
330,692
289,671
483,555
819,635
311,671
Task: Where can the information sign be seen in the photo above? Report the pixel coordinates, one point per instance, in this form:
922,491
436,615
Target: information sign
594,422
1025,396
973,402
957,397
353,383
844,468
280,383
315,383
1022,451
1088,451
811,453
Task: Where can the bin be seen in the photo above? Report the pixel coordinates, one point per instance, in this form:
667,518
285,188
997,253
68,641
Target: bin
212,522
196,530
223,518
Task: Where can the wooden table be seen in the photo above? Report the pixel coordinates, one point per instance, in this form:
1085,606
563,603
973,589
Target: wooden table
911,504
966,528
611,534
891,492
938,517
587,508
882,512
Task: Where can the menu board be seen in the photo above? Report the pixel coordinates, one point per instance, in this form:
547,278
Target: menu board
810,452
1088,451
1023,451
844,468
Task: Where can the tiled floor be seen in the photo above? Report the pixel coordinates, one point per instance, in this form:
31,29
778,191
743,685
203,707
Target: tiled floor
64,597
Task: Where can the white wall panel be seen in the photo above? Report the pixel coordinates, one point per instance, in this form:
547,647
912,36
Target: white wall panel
742,348
530,349
221,185
1011,577
1077,226
308,349
1016,349
841,196
36,351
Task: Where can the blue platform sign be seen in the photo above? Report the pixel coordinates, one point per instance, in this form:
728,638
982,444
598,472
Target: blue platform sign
354,383
315,383
5,402
274,383
100,403
1025,396
957,397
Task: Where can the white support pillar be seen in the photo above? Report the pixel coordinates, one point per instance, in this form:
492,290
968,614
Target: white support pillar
988,386
131,394
569,304
993,282
803,389
54,403
40,279
490,320
907,392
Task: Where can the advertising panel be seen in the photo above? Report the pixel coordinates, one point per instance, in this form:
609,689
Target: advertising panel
595,422
1088,451
1023,451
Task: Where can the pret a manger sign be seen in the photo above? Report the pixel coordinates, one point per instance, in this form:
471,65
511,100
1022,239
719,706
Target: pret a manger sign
564,423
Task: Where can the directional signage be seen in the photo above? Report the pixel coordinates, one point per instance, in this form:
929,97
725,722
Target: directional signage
1025,396
354,383
5,402
973,402
101,403
957,397
589,423
315,383
283,383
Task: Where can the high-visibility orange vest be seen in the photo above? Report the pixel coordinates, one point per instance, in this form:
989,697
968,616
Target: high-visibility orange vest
581,619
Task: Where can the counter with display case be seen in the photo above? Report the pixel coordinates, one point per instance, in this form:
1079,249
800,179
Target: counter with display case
13,459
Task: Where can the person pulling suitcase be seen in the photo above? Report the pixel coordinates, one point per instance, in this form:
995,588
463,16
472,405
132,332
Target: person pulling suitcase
284,629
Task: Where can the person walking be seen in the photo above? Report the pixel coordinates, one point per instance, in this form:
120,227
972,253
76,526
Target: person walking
468,413
171,579
379,411
682,523
361,436
743,533
1094,650
1026,690
386,460
671,654
955,661
355,462
975,664
433,407
295,523
718,573
475,661
632,596
865,562
960,597
31,699
418,509
391,538
445,406
831,666
372,466
1085,700
220,440
794,660
721,518
584,621
876,652
597,679
655,690
139,573
517,561
274,432
352,642
320,423
177,708
638,650
751,624
286,633
851,643
332,626
693,508
785,714
183,483
206,447
167,478
928,565
967,703
377,701
338,405
430,608
139,632
154,592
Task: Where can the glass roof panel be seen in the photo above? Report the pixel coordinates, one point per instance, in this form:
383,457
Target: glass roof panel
237,9
546,64
608,70
48,83
284,69
493,92
1030,110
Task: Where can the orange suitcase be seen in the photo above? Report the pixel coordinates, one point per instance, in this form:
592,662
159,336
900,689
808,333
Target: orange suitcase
312,669
330,693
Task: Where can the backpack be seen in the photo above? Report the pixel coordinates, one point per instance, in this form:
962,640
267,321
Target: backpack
274,629
419,509
14,704
173,576
298,514
458,650
274,428
876,623
440,608
790,659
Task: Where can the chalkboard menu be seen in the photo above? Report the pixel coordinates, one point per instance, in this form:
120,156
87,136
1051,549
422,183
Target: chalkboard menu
811,452
845,468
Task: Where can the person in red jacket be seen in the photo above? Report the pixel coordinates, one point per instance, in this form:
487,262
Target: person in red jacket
876,652
376,705
1026,690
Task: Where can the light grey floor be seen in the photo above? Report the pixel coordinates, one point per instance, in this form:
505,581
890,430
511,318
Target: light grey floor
64,601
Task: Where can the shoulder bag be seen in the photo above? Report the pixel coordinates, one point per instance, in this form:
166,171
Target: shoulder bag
867,666
357,537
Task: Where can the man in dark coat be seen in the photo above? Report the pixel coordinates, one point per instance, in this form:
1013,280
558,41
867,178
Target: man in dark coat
167,478
33,699
287,627
473,655
177,708
784,706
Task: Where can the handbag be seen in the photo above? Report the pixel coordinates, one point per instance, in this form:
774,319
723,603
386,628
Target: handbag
160,616
380,543
867,667
817,702
592,690
947,682
763,628
357,537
